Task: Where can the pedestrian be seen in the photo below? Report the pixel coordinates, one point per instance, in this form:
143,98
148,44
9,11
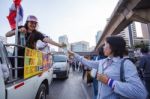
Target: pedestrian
110,85
80,67
94,71
144,65
84,68
32,35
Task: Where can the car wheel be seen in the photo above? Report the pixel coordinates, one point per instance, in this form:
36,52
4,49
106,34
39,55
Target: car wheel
41,94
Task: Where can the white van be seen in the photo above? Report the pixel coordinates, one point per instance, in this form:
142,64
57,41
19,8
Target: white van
60,66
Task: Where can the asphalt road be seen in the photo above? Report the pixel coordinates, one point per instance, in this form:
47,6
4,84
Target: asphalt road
72,88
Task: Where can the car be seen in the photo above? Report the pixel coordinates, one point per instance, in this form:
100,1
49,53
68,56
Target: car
60,66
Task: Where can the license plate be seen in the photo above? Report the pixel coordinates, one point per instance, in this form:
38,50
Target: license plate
54,75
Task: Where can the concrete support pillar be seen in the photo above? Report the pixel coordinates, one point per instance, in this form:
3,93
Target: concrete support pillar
130,36
148,25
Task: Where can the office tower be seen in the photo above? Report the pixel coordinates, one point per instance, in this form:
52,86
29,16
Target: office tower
81,46
98,35
129,38
64,39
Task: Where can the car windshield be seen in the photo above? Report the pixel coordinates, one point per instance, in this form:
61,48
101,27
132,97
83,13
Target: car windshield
59,58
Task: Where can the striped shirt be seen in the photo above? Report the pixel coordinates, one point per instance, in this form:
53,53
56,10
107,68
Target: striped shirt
133,88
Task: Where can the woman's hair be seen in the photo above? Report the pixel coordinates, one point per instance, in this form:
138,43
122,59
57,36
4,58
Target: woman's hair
31,38
101,50
117,45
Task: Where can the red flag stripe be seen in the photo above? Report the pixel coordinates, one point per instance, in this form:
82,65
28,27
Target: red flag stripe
17,2
12,16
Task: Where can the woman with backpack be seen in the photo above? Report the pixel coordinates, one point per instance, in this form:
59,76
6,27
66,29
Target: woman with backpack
110,85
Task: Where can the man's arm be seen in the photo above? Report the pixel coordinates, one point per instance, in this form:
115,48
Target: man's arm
10,33
48,40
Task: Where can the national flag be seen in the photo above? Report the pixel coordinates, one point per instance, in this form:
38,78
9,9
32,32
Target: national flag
13,17
17,2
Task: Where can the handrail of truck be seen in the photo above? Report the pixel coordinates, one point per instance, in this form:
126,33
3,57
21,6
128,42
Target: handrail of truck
16,56
14,45
11,78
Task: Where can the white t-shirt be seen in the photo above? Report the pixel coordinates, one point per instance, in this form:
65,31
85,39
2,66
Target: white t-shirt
42,46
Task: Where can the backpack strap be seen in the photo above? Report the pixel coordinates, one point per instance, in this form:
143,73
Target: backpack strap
122,74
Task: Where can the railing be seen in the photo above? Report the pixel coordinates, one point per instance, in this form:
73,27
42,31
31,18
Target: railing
13,61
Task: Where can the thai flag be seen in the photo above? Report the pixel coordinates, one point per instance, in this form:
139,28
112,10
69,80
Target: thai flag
17,2
13,17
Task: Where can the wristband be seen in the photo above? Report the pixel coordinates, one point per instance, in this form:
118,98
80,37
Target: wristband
110,82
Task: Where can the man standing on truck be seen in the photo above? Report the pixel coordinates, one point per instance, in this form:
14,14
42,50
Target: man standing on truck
32,35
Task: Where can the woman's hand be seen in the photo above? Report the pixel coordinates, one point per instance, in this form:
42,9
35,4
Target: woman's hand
63,45
103,78
71,53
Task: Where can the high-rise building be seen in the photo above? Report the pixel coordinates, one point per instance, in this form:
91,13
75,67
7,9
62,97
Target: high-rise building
91,49
81,46
64,39
126,34
145,32
98,35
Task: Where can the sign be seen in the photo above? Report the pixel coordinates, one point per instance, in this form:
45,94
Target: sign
35,62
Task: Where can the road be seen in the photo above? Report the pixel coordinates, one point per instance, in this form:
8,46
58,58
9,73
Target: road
72,88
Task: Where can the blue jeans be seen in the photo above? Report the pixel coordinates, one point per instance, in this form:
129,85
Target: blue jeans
95,87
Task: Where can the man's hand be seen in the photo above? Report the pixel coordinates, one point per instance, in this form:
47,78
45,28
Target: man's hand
22,30
103,78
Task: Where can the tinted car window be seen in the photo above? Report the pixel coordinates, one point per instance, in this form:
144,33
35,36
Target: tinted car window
59,58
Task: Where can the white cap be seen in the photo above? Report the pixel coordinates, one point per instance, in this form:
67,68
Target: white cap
32,18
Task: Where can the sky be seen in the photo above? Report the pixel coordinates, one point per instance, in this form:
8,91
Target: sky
78,19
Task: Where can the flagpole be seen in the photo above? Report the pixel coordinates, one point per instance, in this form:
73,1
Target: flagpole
16,42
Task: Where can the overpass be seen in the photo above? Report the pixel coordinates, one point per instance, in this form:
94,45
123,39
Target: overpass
125,13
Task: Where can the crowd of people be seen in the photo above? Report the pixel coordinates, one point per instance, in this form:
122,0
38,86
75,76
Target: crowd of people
111,82
104,68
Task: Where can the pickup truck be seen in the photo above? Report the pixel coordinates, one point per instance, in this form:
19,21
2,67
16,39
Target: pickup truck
36,80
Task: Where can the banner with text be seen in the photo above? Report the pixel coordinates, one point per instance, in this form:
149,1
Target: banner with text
35,62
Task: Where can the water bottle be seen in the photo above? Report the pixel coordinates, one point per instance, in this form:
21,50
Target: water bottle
22,39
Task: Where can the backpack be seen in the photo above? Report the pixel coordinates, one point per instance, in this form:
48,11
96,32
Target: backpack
122,74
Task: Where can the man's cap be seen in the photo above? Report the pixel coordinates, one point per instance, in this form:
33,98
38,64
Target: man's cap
32,18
